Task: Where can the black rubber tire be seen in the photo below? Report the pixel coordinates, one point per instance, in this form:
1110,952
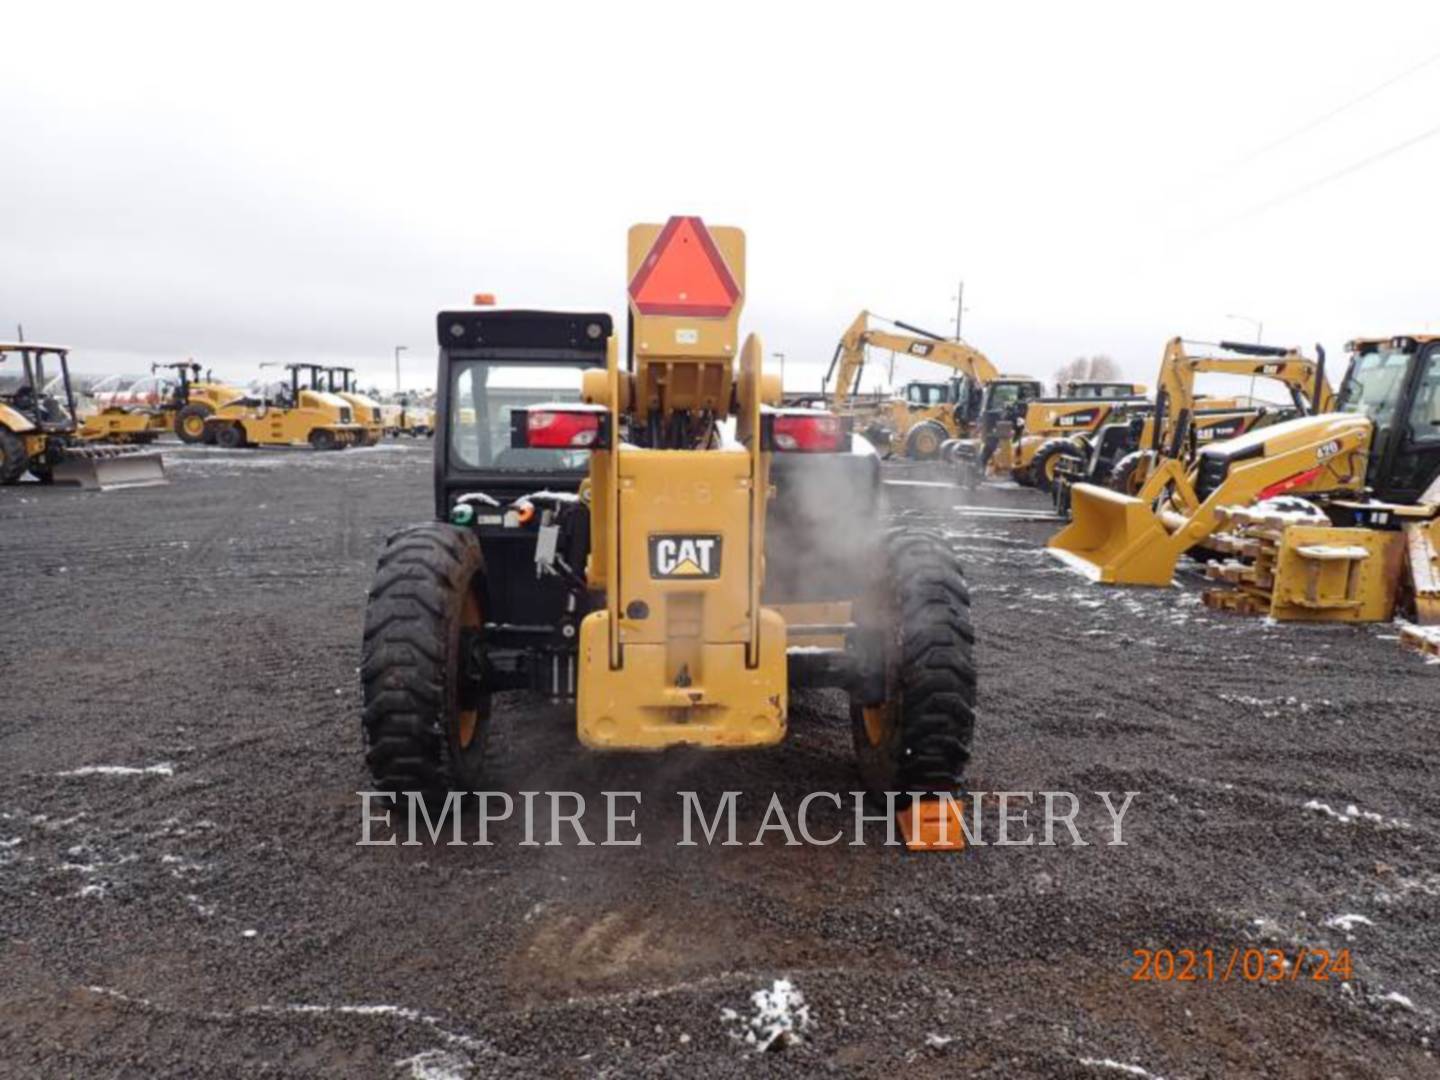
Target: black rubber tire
323,439
410,663
924,441
1122,473
195,410
229,436
921,607
1044,459
13,459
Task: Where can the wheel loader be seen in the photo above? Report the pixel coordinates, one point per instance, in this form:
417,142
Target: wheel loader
661,543
1123,454
1380,442
39,435
184,401
285,414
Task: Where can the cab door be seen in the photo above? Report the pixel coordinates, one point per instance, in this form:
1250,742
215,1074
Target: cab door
1416,448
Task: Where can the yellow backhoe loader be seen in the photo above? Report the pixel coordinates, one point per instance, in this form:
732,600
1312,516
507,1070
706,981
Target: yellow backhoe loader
1353,559
658,540
925,414
1380,440
39,435
285,414
1123,453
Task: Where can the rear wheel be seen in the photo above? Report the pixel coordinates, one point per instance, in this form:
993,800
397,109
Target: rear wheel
321,439
924,441
230,436
424,729
13,458
190,422
914,732
1042,466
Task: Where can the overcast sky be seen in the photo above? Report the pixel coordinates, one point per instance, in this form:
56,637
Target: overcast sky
296,181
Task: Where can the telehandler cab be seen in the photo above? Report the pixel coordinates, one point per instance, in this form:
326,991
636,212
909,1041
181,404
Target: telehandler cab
1382,440
660,543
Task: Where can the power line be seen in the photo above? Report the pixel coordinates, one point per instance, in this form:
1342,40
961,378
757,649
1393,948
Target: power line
1305,189
1366,96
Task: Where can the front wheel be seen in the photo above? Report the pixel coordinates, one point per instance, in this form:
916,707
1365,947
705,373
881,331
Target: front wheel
190,422
1050,454
228,436
13,458
924,441
913,710
425,724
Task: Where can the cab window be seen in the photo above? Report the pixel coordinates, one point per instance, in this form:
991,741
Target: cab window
1425,411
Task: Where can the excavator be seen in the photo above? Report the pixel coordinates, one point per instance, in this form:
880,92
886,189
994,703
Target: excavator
1125,452
39,435
1378,438
925,414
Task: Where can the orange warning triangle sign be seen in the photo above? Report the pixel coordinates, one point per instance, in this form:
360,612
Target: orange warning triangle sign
684,274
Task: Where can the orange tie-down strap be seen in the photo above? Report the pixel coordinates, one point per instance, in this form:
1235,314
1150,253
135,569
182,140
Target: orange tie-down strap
933,825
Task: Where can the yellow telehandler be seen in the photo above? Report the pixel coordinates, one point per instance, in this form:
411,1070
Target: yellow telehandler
285,414
1380,440
660,542
39,435
925,414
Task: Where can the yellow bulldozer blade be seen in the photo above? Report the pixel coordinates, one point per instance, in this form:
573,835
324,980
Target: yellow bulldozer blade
1115,539
106,468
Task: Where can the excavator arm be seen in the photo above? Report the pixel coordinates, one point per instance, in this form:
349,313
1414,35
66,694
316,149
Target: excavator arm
849,360
1303,377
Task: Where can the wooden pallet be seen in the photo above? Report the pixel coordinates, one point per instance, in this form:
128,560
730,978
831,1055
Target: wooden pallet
1423,639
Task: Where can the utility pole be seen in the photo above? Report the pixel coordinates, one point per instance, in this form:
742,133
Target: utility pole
781,357
960,309
398,350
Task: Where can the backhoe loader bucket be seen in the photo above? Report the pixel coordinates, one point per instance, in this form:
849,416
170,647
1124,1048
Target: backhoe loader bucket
1115,539
105,468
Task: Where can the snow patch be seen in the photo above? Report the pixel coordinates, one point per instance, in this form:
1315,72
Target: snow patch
436,1065
779,1017
1348,922
164,768
1120,1066
1394,997
1353,814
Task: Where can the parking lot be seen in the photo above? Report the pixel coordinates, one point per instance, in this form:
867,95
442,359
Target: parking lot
181,890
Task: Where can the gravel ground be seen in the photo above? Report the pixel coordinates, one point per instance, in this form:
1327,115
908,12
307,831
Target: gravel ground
205,909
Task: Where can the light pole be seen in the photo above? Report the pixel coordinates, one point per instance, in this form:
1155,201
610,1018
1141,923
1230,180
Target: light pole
781,357
398,350
1259,326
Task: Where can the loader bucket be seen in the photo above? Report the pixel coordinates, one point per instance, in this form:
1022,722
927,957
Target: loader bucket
105,469
1114,539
